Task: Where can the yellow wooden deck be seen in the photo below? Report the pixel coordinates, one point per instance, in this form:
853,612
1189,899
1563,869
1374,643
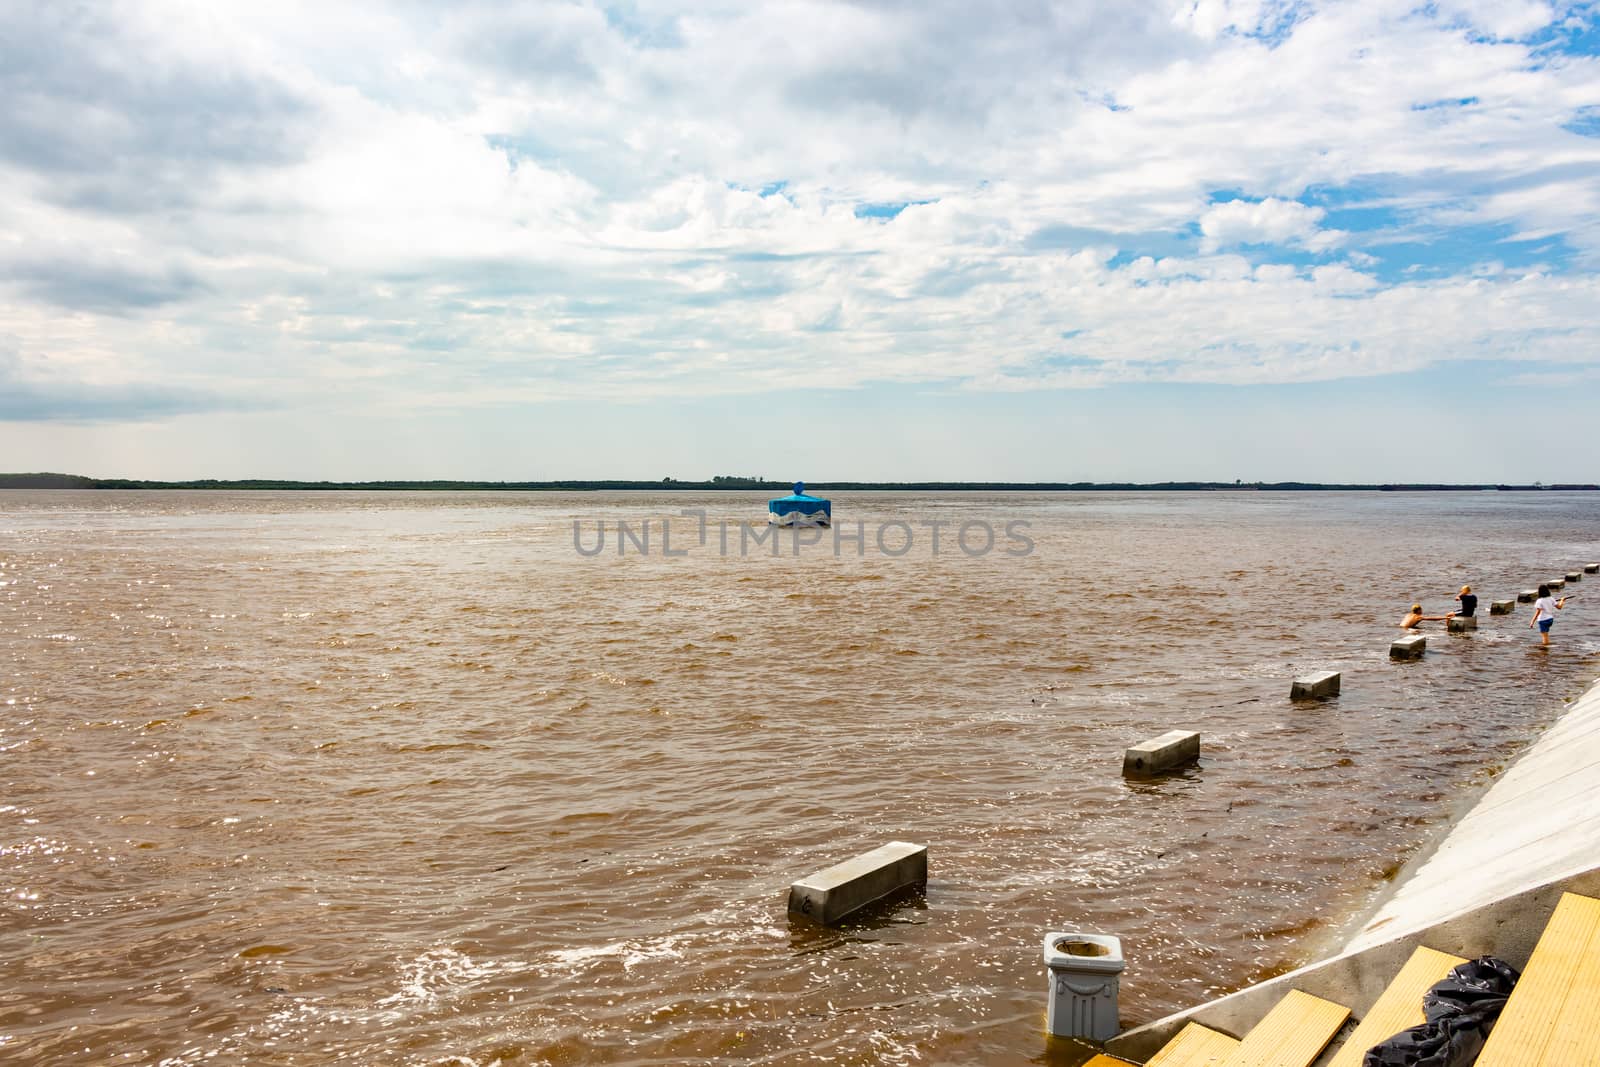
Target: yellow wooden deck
1551,1020
1399,1007
1553,1016
1195,1046
1291,1035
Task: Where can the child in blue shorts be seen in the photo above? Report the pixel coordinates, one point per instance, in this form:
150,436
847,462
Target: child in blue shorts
1544,611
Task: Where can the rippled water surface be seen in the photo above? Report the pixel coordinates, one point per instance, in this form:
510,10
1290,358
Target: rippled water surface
303,778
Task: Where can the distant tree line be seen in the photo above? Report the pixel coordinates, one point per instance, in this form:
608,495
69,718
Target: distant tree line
727,481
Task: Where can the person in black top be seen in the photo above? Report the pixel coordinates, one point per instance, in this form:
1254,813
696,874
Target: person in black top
1469,601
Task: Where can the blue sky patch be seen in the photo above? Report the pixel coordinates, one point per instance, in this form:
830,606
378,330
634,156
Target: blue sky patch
1576,35
1585,122
1441,253
886,210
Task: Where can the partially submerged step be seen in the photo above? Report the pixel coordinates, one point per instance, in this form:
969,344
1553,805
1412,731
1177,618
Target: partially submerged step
1399,1007
1412,646
1195,1046
834,893
1553,1016
1317,686
1293,1034
1172,749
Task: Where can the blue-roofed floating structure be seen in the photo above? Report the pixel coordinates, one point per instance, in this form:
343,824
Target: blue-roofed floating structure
798,509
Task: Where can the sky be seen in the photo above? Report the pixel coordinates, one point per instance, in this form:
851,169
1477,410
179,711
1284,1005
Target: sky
1178,239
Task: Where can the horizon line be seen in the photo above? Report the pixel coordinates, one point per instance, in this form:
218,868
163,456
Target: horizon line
54,481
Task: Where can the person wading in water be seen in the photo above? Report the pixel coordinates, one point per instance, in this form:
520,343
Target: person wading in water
1544,613
1416,616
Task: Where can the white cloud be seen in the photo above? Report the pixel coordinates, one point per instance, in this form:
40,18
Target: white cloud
1508,19
482,203
1208,19
1269,221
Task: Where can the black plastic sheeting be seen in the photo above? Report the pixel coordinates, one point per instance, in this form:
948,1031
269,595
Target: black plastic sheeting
1460,1009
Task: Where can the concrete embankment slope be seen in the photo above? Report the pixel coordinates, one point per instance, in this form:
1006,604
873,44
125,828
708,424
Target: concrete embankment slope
1486,889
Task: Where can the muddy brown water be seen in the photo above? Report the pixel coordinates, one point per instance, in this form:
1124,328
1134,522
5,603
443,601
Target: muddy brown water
303,778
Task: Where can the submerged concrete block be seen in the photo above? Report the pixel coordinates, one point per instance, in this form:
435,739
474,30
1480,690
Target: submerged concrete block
1591,568
1315,686
1460,624
1172,749
1501,607
1527,596
1557,583
1575,576
831,894
1409,647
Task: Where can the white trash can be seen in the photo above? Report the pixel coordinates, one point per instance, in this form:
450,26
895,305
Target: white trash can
1083,984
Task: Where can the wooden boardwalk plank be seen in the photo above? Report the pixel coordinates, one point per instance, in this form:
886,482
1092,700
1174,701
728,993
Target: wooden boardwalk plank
1292,1035
1553,1016
1399,1007
1195,1046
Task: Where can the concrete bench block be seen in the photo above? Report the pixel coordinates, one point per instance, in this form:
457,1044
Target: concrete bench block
1557,583
1501,607
1460,624
1591,568
1527,596
1410,647
1172,749
1575,576
831,894
1315,686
